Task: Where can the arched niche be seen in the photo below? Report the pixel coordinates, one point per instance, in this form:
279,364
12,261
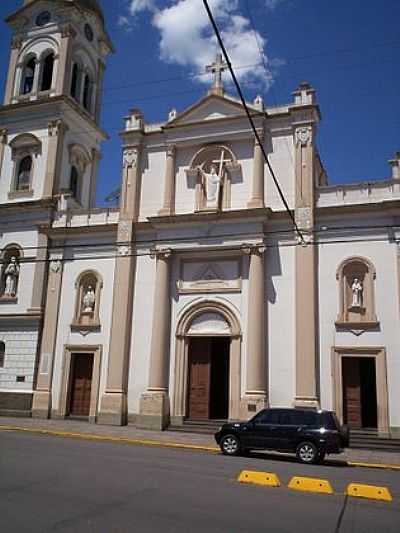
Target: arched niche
227,166
12,254
356,283
206,319
88,287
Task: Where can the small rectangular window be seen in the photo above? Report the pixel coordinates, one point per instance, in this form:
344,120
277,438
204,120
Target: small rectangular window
20,379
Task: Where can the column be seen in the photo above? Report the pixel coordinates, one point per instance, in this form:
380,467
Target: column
56,132
154,404
16,44
257,193
3,142
41,406
96,157
40,274
64,63
99,89
168,207
306,273
256,358
114,404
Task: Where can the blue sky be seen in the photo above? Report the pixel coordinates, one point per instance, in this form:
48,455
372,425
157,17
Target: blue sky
347,49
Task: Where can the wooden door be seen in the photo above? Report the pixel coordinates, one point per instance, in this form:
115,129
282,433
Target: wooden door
199,379
352,406
81,384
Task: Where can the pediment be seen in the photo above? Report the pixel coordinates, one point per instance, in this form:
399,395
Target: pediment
211,107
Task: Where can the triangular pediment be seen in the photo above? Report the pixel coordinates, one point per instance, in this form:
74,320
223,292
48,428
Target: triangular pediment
211,107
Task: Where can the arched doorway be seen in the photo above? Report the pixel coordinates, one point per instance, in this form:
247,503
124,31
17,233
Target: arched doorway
207,371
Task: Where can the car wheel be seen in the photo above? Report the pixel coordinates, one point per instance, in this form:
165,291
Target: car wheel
230,445
307,452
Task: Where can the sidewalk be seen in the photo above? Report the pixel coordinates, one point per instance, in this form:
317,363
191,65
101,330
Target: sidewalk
130,434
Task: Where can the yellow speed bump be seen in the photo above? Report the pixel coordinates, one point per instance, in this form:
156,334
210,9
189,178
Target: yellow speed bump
371,492
310,484
259,478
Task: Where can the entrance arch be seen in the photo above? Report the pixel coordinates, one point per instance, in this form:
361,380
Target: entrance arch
215,321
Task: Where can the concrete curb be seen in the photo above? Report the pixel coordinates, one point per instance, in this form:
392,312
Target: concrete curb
163,444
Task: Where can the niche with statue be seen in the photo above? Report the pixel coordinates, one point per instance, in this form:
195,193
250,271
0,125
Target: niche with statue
356,277
88,288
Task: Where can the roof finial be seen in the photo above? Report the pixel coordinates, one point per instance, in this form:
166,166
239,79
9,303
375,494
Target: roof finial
217,68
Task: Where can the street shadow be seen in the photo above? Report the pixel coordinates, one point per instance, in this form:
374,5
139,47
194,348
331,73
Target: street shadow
283,458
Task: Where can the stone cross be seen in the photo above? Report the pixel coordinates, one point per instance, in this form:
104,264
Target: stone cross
217,68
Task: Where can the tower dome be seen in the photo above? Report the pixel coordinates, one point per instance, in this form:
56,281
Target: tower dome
89,5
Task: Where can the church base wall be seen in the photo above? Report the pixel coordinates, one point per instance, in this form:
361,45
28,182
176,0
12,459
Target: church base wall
41,405
113,410
250,405
154,411
15,404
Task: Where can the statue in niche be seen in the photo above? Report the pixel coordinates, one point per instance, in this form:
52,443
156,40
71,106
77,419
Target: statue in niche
212,186
357,290
11,274
88,300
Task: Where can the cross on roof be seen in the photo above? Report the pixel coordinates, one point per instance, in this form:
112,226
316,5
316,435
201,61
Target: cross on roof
217,68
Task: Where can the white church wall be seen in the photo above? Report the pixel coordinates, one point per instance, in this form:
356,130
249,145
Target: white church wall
241,185
282,159
143,309
185,201
281,332
383,256
153,178
20,356
65,336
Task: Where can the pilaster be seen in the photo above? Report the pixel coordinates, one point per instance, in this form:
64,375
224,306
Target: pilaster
41,406
63,82
114,407
168,207
306,272
96,158
16,44
154,404
256,396
56,132
257,193
40,274
3,142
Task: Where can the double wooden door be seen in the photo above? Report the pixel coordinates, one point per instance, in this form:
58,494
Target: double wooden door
199,379
81,384
352,405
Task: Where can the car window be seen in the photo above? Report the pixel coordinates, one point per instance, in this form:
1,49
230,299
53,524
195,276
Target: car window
292,418
268,417
330,421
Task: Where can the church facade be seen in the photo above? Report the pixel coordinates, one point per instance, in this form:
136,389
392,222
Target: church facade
196,299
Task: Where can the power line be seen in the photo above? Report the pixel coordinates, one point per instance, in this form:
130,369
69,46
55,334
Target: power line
239,90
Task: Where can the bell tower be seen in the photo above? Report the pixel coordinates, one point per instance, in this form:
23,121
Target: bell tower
50,137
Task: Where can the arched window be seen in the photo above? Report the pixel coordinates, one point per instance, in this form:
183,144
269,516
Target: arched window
74,81
23,178
86,93
29,76
74,182
47,76
2,353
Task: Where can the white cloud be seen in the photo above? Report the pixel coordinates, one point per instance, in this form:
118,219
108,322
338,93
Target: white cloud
187,38
141,5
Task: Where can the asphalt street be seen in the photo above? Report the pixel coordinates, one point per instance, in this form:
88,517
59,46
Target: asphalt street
66,485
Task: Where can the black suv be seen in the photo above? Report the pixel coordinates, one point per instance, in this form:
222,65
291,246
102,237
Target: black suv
308,434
